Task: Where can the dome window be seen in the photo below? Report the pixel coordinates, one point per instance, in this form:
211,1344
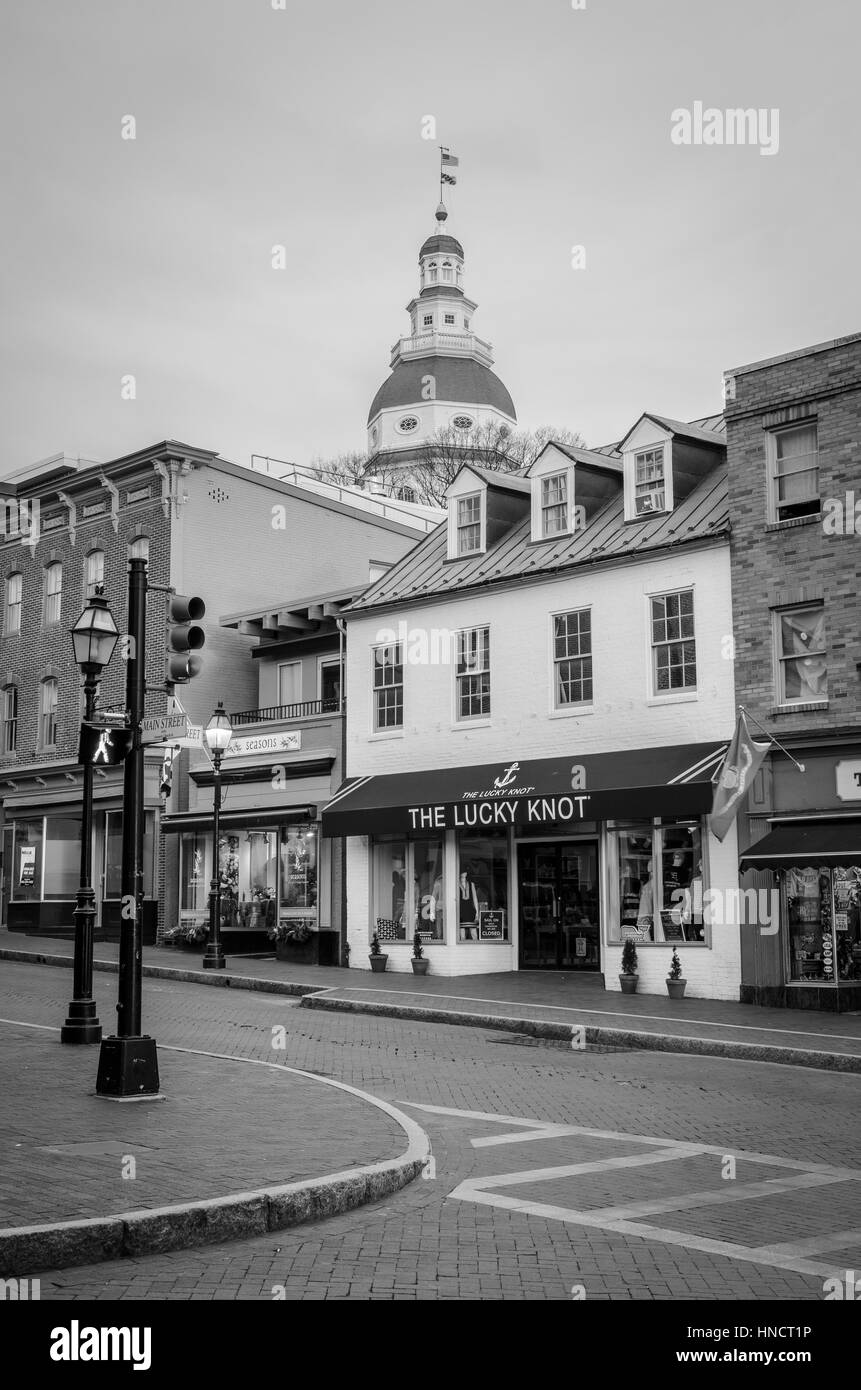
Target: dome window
449,318
406,494
433,272
407,424
447,272
427,321
462,422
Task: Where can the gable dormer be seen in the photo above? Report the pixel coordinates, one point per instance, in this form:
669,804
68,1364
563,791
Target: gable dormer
482,506
568,486
663,461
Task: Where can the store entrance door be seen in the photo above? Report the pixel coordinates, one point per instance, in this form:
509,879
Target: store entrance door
559,914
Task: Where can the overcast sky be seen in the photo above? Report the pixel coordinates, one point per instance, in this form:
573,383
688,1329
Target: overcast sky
258,126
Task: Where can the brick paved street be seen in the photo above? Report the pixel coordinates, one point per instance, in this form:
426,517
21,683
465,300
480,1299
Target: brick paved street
660,1128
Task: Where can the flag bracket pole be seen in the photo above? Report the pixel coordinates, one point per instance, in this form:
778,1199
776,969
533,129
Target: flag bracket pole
747,714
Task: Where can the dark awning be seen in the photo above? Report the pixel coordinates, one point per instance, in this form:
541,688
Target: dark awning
202,820
814,842
673,781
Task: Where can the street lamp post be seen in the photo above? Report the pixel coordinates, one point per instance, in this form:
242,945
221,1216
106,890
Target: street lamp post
218,734
94,638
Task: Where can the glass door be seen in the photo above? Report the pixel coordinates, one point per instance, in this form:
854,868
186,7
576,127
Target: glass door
559,916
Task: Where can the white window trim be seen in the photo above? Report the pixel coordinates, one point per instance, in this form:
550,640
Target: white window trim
454,502
610,842
771,468
629,469
329,661
780,700
53,565
390,730
538,481
19,604
470,721
587,706
669,697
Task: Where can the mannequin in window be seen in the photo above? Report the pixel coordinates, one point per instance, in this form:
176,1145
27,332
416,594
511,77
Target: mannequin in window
467,902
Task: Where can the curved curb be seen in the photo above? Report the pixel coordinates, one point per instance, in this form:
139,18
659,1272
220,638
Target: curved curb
154,1230
221,979
611,1037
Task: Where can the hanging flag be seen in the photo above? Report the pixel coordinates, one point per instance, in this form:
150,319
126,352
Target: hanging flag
450,159
166,772
447,178
739,767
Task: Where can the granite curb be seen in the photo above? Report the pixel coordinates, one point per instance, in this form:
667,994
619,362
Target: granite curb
222,979
596,1034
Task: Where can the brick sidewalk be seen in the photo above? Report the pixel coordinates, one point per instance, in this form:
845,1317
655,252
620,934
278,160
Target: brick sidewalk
227,1127
533,995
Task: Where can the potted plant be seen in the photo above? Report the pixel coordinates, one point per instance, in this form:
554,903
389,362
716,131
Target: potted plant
628,977
292,941
193,935
675,983
420,960
377,957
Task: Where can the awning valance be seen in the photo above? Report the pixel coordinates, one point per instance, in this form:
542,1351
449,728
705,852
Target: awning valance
228,820
642,782
798,843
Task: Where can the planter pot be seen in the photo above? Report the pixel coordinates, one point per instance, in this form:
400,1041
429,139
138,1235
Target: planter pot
321,948
676,988
420,967
628,983
378,964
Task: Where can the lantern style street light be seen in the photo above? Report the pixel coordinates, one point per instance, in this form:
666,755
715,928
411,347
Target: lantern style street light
218,734
94,638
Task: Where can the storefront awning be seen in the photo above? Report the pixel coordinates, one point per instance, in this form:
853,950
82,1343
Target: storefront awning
643,782
799,843
202,820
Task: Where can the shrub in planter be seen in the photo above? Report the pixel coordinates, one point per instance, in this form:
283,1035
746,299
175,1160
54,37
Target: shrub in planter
675,982
377,957
420,960
628,977
291,940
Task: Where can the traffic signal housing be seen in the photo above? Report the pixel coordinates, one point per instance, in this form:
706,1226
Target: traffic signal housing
184,638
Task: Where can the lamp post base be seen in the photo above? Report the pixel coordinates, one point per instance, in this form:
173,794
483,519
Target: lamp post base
214,959
82,1024
128,1067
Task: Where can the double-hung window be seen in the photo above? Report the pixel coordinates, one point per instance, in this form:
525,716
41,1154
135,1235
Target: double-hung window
802,667
674,653
554,504
48,715
10,719
95,572
469,524
53,594
13,604
649,490
572,658
388,691
793,472
473,673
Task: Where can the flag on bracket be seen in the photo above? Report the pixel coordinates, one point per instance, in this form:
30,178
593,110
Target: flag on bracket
741,764
166,778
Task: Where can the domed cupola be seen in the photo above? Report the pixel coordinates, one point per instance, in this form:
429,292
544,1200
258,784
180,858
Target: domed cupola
441,375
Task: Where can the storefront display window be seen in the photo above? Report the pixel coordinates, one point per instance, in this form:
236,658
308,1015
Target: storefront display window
27,865
482,887
113,849
299,874
657,882
195,871
822,908
400,911
62,856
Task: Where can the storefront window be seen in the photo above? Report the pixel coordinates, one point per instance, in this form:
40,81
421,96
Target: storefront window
822,907
657,882
299,873
399,914
27,870
482,887
62,856
249,879
195,871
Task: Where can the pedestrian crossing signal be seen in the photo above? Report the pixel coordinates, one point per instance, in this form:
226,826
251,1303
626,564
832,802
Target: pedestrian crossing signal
103,747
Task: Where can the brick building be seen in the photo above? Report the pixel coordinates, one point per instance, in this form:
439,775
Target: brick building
794,470
231,534
538,699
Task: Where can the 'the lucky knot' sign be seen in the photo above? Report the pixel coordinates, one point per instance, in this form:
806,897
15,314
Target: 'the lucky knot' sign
503,803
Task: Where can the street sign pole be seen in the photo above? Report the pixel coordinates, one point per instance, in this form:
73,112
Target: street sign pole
128,1064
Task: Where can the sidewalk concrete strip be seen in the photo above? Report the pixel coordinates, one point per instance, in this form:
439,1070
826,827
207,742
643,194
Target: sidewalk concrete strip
154,1230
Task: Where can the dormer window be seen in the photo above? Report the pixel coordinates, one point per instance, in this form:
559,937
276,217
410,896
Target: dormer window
469,524
649,489
554,505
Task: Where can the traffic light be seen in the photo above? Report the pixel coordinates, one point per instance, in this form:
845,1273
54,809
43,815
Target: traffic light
184,638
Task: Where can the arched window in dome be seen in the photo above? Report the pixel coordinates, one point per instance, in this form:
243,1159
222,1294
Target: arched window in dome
447,272
406,494
459,274
433,272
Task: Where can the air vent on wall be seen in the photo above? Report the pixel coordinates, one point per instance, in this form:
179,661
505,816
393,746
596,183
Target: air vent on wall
218,494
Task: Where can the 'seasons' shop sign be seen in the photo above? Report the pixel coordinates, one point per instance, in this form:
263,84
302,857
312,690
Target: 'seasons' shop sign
505,802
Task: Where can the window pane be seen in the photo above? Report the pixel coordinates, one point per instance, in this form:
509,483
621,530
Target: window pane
114,854
636,898
808,907
390,870
482,885
290,683
681,891
62,857
299,873
195,871
10,719
428,905
27,879
803,659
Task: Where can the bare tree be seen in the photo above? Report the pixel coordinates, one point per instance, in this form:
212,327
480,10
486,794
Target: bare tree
347,469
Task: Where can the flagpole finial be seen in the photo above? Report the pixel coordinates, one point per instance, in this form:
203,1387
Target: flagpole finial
441,213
